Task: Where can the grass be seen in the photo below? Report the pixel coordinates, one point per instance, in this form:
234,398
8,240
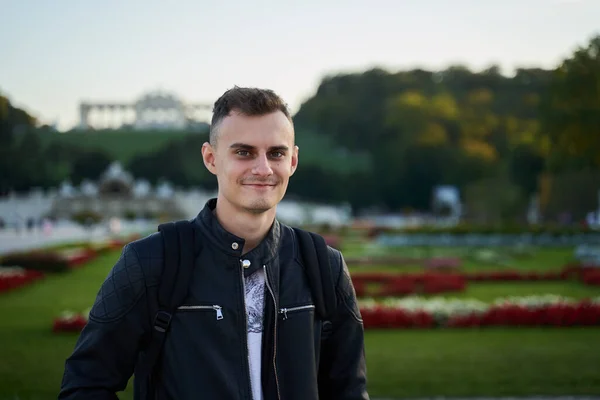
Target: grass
538,259
31,356
400,363
499,362
490,291
122,145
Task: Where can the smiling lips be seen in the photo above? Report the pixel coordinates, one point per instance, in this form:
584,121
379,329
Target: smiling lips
259,184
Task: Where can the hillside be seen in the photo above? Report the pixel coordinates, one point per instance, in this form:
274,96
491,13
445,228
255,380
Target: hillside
122,145
125,145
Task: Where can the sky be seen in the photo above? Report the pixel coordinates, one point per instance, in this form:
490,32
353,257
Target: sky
56,53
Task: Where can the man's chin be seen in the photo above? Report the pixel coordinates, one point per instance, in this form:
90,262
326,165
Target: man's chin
259,205
258,208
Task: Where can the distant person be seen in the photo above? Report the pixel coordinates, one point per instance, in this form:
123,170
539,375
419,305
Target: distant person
30,224
252,323
47,227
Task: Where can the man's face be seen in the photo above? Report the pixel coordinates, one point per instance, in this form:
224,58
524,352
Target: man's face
253,160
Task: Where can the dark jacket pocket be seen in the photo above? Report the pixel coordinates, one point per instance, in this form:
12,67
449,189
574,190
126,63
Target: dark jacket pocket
195,308
286,312
296,361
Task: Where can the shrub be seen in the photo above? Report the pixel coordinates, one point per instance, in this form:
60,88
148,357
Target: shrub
43,261
87,217
130,215
464,229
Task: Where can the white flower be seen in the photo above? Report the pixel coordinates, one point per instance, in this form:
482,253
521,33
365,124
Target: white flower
442,308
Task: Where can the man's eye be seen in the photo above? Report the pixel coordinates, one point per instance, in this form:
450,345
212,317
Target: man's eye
242,153
277,154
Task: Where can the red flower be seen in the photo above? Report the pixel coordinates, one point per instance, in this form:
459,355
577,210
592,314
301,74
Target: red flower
69,324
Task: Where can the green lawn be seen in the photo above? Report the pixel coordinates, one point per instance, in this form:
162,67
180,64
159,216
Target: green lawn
493,362
400,363
539,259
489,291
122,145
31,355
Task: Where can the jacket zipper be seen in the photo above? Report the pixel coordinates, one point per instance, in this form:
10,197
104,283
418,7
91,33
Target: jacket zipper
274,332
284,311
218,309
246,329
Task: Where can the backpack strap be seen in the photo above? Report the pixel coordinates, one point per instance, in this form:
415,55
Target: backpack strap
179,259
315,259
178,239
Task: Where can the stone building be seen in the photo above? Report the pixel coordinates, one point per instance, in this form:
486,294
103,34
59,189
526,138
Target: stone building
116,194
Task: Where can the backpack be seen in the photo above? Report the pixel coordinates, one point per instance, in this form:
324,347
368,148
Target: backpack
180,250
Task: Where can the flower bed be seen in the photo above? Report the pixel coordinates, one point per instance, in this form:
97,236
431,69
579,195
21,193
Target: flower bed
43,261
50,260
15,277
415,312
591,277
441,263
389,285
70,321
392,284
512,275
392,260
450,263
77,256
31,266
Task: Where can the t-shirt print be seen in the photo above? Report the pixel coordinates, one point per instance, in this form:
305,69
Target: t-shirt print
255,305
255,298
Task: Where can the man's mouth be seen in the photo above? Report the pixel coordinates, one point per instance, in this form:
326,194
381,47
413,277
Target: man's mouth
261,187
259,184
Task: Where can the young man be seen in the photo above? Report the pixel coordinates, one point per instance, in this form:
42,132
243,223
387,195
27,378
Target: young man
248,328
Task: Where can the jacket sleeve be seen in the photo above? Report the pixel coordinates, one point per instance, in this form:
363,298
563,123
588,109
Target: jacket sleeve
342,370
106,352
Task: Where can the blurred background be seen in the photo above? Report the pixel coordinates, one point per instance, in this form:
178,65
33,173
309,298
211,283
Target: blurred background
451,150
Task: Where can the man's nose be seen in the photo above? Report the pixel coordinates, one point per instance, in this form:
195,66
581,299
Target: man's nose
262,166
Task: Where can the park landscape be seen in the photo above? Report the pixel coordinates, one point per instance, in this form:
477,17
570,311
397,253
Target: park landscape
453,320
494,294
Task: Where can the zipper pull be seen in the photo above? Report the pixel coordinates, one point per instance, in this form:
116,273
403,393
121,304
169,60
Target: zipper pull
219,312
284,312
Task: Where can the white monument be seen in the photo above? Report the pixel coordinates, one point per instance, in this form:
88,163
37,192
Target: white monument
156,110
446,203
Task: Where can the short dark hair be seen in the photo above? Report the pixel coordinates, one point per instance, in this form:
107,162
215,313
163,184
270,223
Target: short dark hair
247,101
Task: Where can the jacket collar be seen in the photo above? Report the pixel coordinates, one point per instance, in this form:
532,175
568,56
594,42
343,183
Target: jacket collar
231,244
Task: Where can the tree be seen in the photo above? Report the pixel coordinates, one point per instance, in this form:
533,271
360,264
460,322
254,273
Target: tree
89,164
19,160
525,166
571,113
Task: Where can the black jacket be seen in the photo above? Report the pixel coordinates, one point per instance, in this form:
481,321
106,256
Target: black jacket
205,357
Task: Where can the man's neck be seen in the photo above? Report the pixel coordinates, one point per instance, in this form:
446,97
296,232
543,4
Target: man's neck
251,227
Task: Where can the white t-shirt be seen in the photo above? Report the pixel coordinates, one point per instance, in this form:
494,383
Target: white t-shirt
255,305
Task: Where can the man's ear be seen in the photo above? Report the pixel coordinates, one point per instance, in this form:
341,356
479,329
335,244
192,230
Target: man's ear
208,156
295,159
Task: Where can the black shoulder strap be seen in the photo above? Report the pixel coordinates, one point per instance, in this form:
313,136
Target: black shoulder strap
315,258
179,255
178,239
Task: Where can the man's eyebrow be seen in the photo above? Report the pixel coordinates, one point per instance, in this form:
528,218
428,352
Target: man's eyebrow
241,146
279,148
245,146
